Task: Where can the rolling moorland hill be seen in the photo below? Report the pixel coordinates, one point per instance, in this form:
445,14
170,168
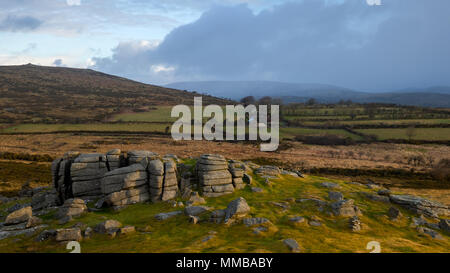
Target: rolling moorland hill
31,93
301,92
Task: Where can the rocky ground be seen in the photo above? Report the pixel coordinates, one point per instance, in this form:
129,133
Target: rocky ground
230,206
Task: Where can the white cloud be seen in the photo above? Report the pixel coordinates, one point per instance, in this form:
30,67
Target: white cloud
73,2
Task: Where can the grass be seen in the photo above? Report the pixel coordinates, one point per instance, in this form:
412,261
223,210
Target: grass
100,127
178,235
159,114
431,134
382,122
14,174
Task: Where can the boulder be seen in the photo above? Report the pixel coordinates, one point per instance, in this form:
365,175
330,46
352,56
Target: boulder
114,158
19,216
236,209
68,234
345,208
44,199
421,205
432,233
167,215
355,224
196,199
255,221
217,216
335,196
376,197
72,208
268,171
196,210
142,157
330,185
127,230
292,245
394,213
444,224
108,226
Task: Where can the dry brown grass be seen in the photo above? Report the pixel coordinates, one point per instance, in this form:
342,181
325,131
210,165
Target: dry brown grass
362,156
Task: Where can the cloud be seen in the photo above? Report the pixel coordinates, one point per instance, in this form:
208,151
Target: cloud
349,43
73,2
15,23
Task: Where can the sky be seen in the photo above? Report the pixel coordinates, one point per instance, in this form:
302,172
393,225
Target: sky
357,44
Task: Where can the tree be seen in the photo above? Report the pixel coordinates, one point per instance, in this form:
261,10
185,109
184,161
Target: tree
248,100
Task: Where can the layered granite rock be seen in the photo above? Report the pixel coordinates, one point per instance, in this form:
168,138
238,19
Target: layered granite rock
421,205
237,170
86,172
214,177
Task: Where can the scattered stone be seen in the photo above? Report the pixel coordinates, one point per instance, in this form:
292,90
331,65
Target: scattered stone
68,234
376,197
256,189
345,208
335,196
19,216
247,179
167,215
355,224
444,224
88,232
193,219
394,213
127,230
273,171
255,221
284,172
315,223
384,192
421,205
428,231
236,209
72,208
283,205
33,221
196,199
196,210
108,226
46,235
297,219
420,221
292,245
330,185
44,199
217,216
64,220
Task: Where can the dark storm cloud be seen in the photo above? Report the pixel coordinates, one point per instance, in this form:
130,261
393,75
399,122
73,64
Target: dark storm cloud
19,23
399,44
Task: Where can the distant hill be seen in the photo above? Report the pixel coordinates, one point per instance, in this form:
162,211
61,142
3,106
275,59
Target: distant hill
31,93
297,92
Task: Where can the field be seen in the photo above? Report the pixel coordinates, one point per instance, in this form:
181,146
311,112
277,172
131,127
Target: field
430,134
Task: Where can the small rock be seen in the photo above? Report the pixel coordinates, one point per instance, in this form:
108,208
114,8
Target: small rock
394,213
68,234
297,219
196,210
444,224
127,230
315,223
355,224
196,199
88,232
428,231
329,185
66,219
19,216
107,226
255,221
33,221
167,215
292,245
256,189
46,235
335,196
193,219
384,192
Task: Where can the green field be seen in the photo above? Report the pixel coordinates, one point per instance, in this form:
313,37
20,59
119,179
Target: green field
431,134
293,132
382,122
160,114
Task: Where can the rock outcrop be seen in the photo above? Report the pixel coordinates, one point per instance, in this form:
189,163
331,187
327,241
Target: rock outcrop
421,205
214,177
